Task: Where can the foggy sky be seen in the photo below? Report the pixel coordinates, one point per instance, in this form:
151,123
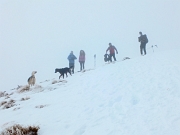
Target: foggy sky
39,35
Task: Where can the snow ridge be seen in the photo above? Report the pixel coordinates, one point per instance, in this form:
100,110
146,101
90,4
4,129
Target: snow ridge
139,96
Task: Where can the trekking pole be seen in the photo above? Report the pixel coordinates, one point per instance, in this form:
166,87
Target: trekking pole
94,60
152,48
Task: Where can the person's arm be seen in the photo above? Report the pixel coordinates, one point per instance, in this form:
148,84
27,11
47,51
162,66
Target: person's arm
116,49
107,49
75,57
79,57
68,57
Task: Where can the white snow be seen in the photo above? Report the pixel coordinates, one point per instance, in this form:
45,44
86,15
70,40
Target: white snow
140,96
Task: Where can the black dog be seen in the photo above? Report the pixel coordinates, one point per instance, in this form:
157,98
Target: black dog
63,71
106,58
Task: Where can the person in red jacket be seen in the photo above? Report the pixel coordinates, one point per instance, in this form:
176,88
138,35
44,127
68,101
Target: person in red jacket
112,49
81,59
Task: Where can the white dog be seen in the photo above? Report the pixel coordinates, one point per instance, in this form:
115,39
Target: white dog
32,79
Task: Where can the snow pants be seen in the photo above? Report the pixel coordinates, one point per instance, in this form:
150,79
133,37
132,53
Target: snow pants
112,55
143,48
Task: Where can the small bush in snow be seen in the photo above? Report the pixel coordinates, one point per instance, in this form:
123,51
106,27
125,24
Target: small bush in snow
3,94
19,130
44,81
40,106
3,103
16,108
7,105
23,88
26,98
126,58
37,86
55,81
7,97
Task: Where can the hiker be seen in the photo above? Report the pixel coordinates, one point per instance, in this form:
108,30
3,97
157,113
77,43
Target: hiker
112,49
71,59
143,40
81,59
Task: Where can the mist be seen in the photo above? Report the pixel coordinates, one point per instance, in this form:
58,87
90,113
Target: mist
39,35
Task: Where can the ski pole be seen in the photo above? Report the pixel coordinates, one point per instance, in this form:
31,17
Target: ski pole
94,60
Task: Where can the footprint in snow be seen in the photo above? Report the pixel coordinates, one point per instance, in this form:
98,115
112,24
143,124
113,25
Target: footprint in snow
80,131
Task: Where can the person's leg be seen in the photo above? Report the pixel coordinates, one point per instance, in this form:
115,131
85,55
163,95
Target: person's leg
83,65
110,57
141,47
71,65
73,68
114,57
80,66
145,49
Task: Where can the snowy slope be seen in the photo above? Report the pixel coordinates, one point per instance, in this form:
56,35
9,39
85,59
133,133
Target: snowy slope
140,96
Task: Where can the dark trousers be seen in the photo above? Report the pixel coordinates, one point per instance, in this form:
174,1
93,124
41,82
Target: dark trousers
143,48
112,55
71,65
81,65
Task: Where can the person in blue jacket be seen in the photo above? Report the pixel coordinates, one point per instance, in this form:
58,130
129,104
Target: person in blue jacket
71,59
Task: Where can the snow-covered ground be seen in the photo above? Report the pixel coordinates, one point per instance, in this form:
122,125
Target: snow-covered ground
140,96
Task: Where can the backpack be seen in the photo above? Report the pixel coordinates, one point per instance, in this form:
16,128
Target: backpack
106,57
145,39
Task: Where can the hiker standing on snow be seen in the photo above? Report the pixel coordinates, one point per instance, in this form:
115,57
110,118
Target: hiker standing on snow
112,49
71,59
81,59
143,40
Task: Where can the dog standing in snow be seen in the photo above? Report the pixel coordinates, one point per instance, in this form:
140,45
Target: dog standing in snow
63,71
32,79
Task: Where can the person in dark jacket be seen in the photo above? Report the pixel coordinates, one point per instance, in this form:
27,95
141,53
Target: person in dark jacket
112,50
143,41
82,59
71,59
